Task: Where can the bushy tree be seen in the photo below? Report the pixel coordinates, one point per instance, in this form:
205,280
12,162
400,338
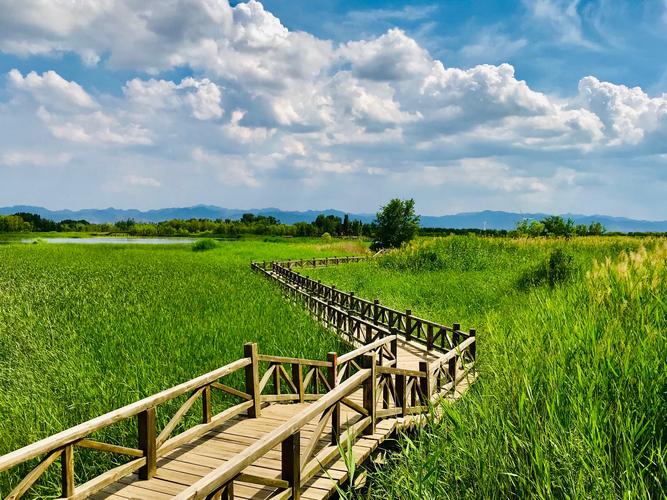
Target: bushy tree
396,223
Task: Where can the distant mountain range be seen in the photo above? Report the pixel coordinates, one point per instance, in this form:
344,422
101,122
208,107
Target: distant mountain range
486,219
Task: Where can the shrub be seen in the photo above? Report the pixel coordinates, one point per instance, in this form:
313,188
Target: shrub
326,237
559,268
205,244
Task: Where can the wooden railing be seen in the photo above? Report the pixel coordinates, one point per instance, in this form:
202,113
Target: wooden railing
151,443
338,306
372,368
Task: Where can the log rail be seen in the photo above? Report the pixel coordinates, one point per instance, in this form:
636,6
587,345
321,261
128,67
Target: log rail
371,371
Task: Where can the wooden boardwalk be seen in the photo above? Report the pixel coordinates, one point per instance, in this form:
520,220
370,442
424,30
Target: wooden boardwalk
284,439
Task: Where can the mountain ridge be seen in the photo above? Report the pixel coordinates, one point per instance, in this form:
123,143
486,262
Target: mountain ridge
485,219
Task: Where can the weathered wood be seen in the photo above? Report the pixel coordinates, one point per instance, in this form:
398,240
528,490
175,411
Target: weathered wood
232,391
252,379
332,376
33,475
206,411
425,381
67,471
369,396
178,416
287,360
80,431
297,379
110,448
147,442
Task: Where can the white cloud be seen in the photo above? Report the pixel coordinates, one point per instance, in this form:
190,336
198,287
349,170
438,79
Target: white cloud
34,158
140,181
51,88
563,17
627,113
201,96
94,128
392,56
266,103
231,170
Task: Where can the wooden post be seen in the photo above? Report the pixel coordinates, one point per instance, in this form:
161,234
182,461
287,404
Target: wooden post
369,334
67,471
394,348
456,335
332,377
291,463
147,442
228,492
408,324
370,386
252,379
401,402
351,301
206,405
425,382
451,371
297,378
376,313
429,337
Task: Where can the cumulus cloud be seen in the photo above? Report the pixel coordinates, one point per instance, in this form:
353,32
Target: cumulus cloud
141,181
201,96
266,103
51,88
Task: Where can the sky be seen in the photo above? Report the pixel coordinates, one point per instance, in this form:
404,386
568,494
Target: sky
555,106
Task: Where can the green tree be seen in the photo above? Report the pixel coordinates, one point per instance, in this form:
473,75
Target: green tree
396,223
596,229
555,225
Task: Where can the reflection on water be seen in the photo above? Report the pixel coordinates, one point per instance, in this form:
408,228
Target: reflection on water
118,241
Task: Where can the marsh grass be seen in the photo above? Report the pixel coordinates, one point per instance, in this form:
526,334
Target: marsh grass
87,329
571,400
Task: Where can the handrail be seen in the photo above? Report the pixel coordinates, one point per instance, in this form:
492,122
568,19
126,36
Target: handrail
227,472
364,349
80,431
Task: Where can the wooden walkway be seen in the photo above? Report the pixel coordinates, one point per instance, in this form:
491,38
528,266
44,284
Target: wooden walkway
284,439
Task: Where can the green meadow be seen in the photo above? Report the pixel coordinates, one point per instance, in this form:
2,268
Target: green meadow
85,329
572,394
572,356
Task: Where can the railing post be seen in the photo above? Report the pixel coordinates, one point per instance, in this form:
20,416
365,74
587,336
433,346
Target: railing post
206,405
297,378
408,324
451,371
425,382
455,334
370,386
252,379
369,334
291,463
401,400
147,442
67,471
376,314
429,337
332,376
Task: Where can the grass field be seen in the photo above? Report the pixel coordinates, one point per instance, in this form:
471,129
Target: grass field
572,396
571,400
86,329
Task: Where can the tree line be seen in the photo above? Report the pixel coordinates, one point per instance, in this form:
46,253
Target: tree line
246,224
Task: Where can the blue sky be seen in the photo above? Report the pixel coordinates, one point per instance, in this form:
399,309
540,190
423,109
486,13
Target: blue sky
545,105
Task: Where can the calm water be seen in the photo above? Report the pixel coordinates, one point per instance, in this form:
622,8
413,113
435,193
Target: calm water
118,241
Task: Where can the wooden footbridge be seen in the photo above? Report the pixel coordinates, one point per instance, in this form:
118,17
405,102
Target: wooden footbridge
293,417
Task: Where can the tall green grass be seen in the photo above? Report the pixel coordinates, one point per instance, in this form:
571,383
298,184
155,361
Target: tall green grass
572,396
87,329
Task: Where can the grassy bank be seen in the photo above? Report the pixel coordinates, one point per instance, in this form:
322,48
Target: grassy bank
86,329
571,402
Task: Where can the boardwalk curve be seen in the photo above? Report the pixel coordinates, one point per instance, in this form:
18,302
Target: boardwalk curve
282,438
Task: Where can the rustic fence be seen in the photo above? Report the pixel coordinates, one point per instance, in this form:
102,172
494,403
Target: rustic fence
372,368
